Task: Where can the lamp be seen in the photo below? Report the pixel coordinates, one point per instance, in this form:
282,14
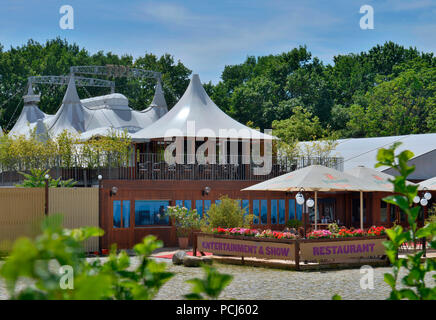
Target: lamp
424,202
113,191
299,197
46,177
427,195
205,191
310,203
99,177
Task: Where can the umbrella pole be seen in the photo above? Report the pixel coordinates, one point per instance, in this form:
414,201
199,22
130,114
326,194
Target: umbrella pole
361,210
316,210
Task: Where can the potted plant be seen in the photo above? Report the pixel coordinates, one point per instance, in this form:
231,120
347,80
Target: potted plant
185,222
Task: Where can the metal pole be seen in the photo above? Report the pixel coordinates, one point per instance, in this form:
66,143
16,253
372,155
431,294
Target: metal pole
99,211
361,210
316,210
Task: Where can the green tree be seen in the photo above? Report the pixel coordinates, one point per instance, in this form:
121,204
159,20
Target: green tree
227,214
414,280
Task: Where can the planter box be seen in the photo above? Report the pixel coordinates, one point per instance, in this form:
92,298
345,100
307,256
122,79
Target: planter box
341,248
241,246
295,250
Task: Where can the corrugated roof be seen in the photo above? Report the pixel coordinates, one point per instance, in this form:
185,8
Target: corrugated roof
363,151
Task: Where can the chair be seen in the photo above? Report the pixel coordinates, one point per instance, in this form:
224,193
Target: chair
171,171
157,170
144,169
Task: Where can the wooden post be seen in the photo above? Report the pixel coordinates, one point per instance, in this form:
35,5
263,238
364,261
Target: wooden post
316,210
297,255
361,210
194,244
46,197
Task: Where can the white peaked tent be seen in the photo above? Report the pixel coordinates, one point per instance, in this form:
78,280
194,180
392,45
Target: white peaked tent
41,132
113,111
101,115
70,116
195,108
158,105
29,115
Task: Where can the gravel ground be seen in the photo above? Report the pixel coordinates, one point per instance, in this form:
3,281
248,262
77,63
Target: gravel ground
255,283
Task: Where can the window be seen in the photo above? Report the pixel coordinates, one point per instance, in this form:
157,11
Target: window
126,213
217,202
292,209
299,211
273,211
151,212
383,211
264,211
246,206
117,214
402,216
355,209
121,214
199,207
207,204
256,211
188,204
185,203
393,213
282,211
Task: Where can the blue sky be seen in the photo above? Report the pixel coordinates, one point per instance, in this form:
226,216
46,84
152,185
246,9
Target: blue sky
207,35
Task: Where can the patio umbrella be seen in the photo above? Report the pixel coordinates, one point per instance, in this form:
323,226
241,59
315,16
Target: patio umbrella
379,180
429,184
316,178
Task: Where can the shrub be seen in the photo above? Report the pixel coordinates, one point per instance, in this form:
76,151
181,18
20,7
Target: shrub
294,223
39,260
228,214
36,179
185,220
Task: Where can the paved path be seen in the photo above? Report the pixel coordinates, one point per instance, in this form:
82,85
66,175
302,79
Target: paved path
255,283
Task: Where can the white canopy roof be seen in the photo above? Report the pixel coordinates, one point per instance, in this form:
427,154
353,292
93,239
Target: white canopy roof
158,105
29,115
314,178
97,115
70,115
204,118
380,180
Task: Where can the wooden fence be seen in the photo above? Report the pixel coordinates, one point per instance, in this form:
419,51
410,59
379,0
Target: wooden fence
79,207
22,209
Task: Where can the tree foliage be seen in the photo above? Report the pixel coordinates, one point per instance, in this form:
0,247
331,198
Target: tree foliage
227,214
386,90
415,287
56,56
